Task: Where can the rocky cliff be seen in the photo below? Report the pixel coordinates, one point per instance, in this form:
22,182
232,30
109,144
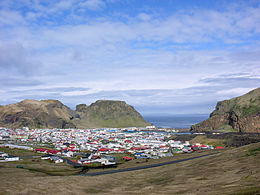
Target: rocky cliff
54,114
241,113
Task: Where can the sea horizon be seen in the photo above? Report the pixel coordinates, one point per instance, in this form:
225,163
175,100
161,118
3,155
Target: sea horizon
180,121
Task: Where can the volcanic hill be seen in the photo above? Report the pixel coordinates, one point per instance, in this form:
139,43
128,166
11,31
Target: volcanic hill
240,114
54,114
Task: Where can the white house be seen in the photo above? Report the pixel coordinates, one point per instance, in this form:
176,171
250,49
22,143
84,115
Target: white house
68,154
11,158
45,157
3,154
56,159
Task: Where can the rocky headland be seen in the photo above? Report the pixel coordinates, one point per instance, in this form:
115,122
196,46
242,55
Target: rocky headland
241,114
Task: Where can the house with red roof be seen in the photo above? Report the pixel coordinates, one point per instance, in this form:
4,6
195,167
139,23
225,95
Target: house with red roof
127,158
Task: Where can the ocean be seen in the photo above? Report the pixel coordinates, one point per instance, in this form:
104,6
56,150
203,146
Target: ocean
176,121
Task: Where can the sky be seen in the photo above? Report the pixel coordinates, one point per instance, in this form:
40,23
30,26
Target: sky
162,57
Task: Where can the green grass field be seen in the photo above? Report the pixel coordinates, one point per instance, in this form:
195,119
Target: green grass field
19,152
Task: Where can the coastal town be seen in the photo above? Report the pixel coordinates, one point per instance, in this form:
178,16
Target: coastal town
95,146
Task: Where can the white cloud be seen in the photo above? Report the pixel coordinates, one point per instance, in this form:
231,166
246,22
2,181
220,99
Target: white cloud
93,4
14,60
144,16
115,57
8,17
79,93
63,5
234,92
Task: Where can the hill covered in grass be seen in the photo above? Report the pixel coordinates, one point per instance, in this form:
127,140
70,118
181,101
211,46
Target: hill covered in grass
109,113
54,114
231,171
239,114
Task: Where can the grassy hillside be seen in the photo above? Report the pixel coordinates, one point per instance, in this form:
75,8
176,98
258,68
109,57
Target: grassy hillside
109,113
36,114
248,104
237,114
233,171
54,114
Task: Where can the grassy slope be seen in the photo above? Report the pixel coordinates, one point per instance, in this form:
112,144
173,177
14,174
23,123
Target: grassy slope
246,104
18,152
202,139
53,114
110,113
236,114
36,114
235,171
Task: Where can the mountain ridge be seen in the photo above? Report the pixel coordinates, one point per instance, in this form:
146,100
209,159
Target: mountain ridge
54,114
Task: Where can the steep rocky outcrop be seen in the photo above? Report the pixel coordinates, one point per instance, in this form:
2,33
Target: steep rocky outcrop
54,114
81,108
241,113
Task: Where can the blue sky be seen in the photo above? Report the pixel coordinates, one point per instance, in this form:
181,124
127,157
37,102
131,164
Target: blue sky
171,57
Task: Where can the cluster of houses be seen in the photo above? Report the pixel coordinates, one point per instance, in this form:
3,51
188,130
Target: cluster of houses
99,144
5,157
106,160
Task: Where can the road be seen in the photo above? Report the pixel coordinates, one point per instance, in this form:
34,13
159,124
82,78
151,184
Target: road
145,166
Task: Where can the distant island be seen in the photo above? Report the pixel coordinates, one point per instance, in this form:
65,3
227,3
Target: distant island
54,114
241,114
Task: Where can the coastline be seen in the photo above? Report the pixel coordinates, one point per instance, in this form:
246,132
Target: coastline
175,121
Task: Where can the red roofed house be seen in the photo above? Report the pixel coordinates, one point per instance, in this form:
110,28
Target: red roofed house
40,150
103,150
127,158
203,146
